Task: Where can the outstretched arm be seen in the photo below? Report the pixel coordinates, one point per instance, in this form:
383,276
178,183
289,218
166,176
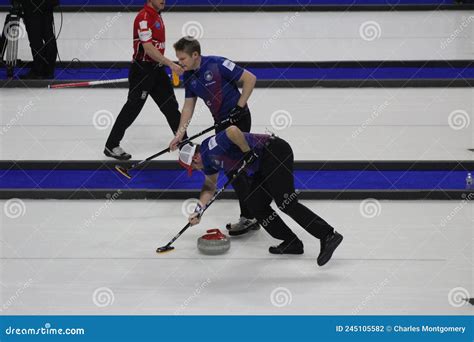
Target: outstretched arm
207,191
156,55
186,116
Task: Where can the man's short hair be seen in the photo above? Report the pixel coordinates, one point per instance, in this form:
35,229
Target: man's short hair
188,45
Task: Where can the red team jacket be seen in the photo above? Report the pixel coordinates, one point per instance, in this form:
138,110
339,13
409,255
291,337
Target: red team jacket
148,27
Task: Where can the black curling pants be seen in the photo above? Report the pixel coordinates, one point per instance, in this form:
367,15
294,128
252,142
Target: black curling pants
145,79
275,181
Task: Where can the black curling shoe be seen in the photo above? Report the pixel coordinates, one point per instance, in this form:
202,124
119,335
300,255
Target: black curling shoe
328,246
288,247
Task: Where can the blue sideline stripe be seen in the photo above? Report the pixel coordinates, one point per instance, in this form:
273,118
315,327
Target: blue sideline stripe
177,179
341,73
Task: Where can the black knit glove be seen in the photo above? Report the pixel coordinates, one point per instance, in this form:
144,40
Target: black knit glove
250,157
236,114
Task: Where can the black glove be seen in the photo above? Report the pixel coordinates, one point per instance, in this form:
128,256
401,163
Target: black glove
236,114
250,157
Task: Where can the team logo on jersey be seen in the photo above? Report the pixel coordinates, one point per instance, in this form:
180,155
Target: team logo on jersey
208,76
212,143
229,65
218,163
193,83
209,103
157,25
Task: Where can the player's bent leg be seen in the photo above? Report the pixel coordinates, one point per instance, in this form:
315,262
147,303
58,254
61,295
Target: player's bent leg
247,219
260,201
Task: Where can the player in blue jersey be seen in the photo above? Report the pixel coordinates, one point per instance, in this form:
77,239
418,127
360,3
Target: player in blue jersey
269,164
214,80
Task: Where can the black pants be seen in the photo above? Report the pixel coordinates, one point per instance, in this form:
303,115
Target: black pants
145,79
275,181
241,184
39,26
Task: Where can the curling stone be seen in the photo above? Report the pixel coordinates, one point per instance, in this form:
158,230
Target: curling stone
213,243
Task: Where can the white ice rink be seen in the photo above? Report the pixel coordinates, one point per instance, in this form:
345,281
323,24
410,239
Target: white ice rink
277,36
320,124
405,260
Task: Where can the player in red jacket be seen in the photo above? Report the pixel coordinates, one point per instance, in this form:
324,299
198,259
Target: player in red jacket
147,76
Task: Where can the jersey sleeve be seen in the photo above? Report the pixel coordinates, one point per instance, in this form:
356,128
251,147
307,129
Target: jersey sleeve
144,29
209,171
223,141
188,93
229,70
